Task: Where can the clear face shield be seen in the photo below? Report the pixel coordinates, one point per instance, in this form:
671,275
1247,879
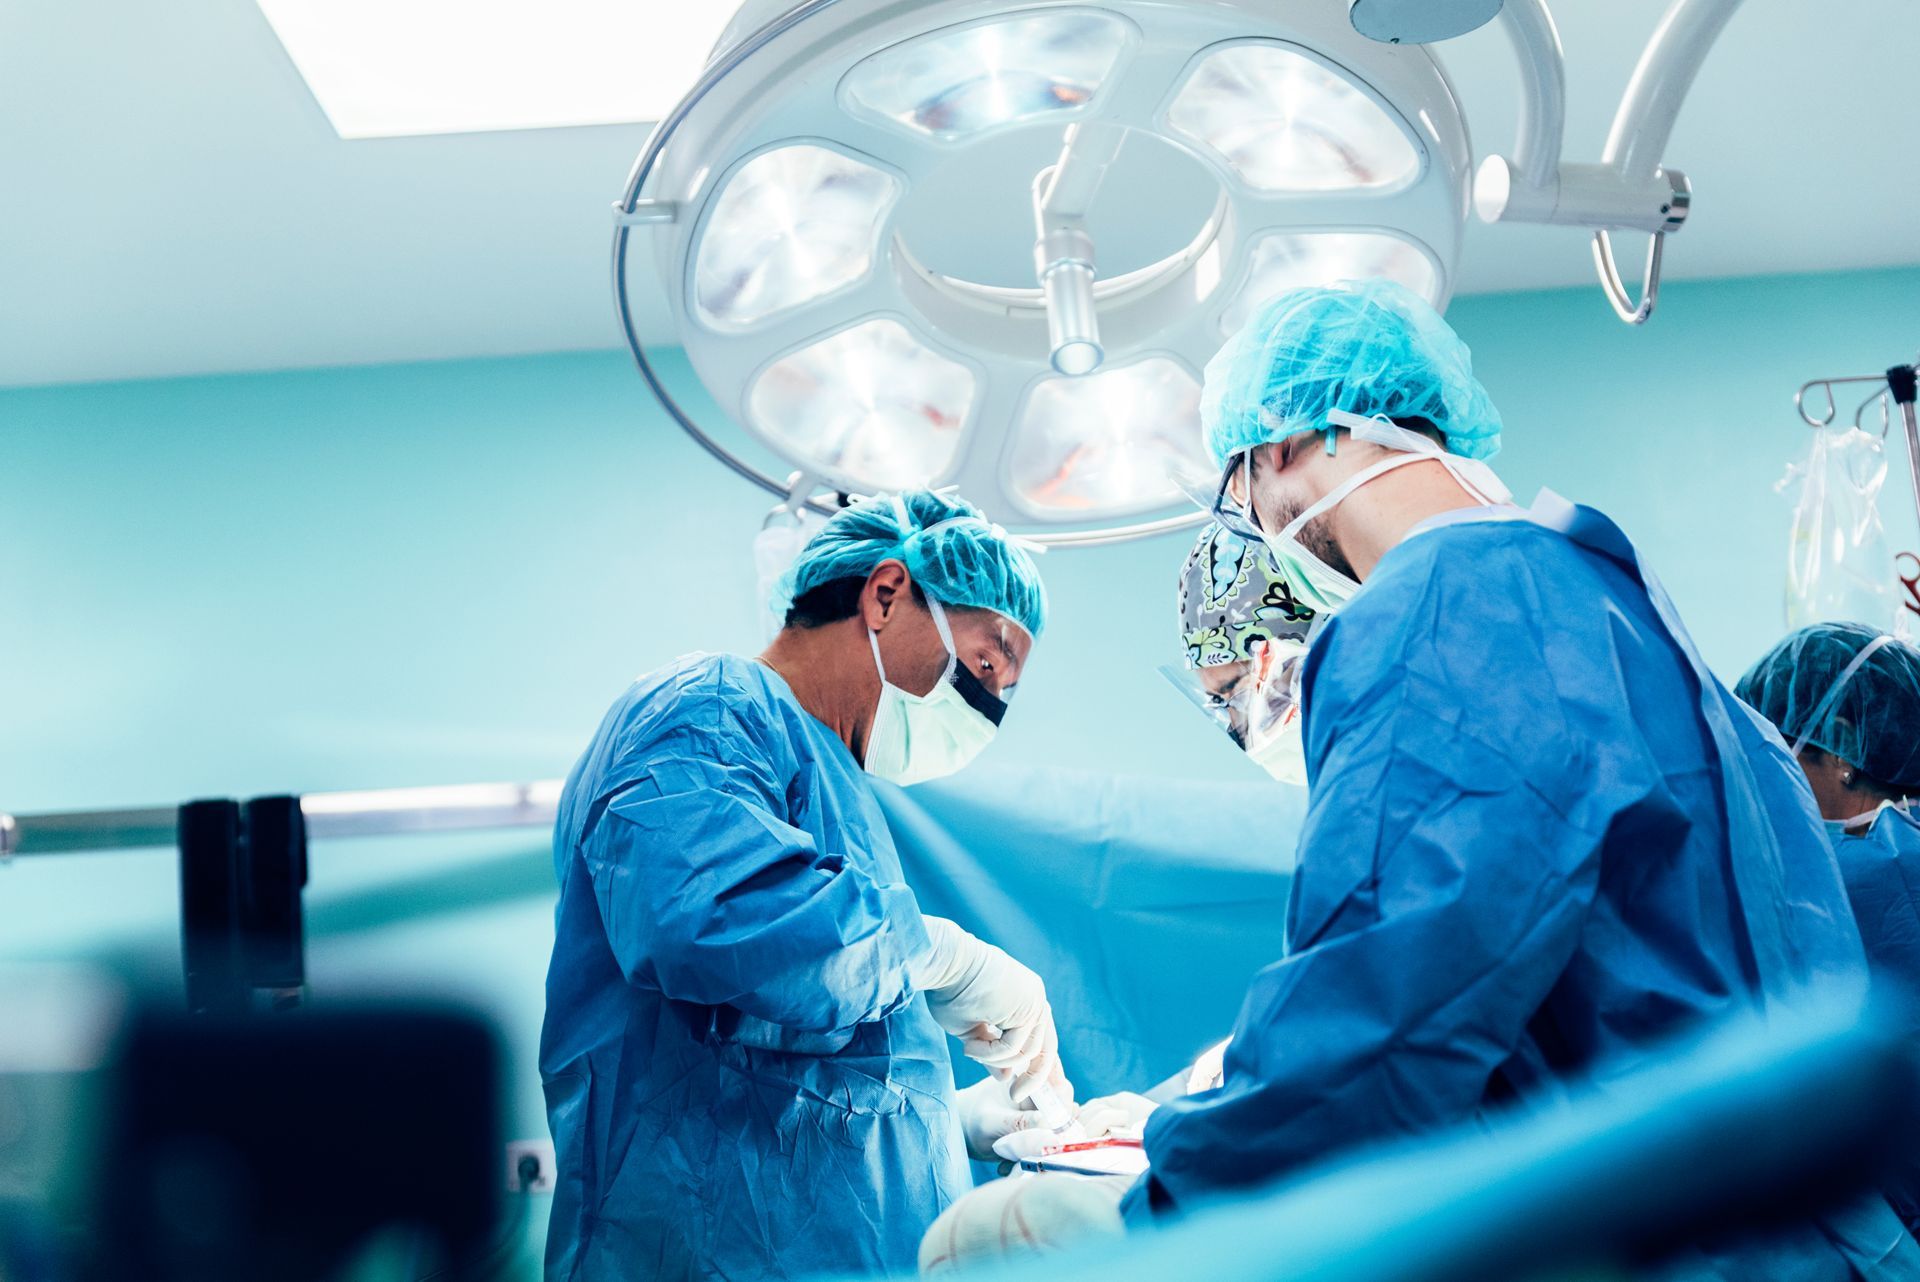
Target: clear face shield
1256,702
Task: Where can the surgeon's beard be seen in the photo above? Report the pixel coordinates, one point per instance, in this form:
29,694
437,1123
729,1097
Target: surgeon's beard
1316,537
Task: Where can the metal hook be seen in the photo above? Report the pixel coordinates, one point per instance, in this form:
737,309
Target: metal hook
1826,386
1800,403
1623,305
1886,416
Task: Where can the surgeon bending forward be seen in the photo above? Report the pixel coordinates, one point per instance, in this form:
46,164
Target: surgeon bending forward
1541,837
742,1078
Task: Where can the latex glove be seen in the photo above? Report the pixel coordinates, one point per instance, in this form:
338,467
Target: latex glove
994,1005
1124,1115
1209,1071
1043,1070
1021,1219
988,1114
1024,1146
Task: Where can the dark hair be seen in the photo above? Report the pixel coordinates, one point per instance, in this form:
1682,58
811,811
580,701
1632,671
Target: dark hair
832,601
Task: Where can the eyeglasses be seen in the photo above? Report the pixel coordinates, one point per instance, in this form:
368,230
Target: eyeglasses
1230,511
1250,708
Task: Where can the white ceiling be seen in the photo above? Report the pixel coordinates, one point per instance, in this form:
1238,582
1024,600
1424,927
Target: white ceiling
173,201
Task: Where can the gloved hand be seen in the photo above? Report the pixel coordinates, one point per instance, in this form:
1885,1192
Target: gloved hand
1044,1069
1021,1219
1124,1114
988,1114
994,1005
1209,1071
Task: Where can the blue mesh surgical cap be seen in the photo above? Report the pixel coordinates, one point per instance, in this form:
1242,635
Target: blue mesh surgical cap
1871,721
1370,347
955,554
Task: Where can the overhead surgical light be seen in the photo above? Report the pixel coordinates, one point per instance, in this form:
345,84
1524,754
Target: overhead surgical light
930,242
993,245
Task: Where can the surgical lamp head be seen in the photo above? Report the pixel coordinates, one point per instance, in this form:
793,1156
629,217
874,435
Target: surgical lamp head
921,243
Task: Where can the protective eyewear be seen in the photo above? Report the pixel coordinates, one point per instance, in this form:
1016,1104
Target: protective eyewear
1252,700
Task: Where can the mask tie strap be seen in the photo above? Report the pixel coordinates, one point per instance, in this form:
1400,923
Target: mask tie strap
1472,475
1346,487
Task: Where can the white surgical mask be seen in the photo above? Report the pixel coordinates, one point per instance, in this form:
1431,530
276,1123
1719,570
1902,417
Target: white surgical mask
1280,748
1283,754
1326,588
1261,710
916,737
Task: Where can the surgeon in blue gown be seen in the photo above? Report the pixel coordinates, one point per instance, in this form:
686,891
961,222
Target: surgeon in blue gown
745,1048
1541,838
1847,698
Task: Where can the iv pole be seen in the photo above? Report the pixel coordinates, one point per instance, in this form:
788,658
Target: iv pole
1897,387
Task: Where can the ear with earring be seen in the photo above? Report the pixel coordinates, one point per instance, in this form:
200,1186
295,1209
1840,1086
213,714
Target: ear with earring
1847,777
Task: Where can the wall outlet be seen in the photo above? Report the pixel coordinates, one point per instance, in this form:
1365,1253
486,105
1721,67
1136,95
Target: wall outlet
540,1151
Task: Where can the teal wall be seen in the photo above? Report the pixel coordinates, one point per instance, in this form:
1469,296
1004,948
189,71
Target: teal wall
442,573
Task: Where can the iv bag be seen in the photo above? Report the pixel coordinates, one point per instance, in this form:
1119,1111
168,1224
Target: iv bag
1840,565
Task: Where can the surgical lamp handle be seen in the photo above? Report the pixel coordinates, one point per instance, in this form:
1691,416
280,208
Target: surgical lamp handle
1628,189
1643,125
1063,250
1616,290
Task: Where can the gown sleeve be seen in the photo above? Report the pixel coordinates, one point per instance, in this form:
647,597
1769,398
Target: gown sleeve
1440,893
709,895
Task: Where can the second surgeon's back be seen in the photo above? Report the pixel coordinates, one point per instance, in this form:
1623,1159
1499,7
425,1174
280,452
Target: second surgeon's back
1550,655
1517,871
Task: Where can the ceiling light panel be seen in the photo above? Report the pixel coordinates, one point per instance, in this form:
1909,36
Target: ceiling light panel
388,68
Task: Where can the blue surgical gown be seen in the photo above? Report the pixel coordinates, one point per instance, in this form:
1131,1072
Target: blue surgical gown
1516,870
1882,869
740,1079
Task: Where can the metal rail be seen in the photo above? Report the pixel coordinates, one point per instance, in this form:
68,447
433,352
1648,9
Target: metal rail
329,815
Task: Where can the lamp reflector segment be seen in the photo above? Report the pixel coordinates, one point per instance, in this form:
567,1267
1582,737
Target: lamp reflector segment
1286,261
1108,443
966,80
872,406
1285,123
791,226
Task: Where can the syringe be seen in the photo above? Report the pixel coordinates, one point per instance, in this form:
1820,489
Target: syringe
1055,1115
